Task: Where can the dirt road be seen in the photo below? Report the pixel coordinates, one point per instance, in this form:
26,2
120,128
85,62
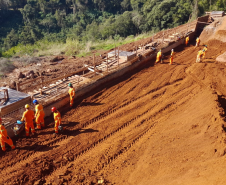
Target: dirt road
157,125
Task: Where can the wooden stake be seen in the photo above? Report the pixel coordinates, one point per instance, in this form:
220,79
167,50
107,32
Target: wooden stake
94,63
118,57
115,52
107,62
83,66
17,86
41,84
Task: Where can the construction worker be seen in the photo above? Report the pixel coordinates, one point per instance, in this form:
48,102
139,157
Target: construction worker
28,117
39,114
204,51
186,40
71,92
4,138
159,56
197,42
200,53
57,119
171,57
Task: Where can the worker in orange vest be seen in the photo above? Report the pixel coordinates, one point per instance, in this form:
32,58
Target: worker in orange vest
197,42
71,92
204,51
171,57
57,119
4,138
200,53
159,56
28,117
39,114
186,40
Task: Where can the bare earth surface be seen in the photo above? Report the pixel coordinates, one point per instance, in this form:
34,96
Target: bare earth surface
157,125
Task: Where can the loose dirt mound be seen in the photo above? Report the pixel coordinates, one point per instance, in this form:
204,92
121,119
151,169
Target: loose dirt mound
215,31
221,58
156,125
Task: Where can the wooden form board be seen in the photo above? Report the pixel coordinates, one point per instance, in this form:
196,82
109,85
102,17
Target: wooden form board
14,106
42,83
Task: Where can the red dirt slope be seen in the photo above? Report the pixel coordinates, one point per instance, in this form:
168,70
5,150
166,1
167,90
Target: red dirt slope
157,125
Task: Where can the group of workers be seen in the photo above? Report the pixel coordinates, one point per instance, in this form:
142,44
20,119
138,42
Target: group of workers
201,53
160,56
29,116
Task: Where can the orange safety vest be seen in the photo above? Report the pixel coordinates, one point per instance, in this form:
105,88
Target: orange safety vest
205,48
159,54
3,132
39,110
71,91
57,116
172,53
28,116
200,53
198,40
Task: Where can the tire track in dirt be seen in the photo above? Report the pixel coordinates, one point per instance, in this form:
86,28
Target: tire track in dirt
101,116
123,150
110,114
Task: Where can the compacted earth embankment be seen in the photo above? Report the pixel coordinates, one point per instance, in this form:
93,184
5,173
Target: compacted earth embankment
158,125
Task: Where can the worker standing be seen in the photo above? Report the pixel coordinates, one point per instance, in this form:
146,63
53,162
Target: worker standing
204,51
200,53
71,92
186,40
28,117
171,56
197,42
39,114
159,56
4,138
57,119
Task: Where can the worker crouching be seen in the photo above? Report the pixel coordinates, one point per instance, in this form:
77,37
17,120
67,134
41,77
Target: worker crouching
199,56
71,92
57,119
39,114
4,138
28,117
204,51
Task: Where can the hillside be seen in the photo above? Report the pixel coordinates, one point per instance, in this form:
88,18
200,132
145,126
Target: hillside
161,124
30,22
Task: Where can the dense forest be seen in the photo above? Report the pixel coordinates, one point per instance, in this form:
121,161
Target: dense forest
28,21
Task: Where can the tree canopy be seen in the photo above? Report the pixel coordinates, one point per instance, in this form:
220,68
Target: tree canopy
27,21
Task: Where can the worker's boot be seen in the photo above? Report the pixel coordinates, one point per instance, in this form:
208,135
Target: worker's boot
3,148
13,147
43,124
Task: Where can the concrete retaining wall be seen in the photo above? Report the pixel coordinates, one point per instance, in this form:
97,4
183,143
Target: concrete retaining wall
80,92
83,91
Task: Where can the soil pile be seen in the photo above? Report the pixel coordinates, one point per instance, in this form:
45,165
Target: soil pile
215,31
157,125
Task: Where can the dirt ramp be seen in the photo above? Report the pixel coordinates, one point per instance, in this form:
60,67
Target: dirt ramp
215,31
221,58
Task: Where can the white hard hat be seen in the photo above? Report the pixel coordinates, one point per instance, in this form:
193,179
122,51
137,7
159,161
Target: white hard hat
171,49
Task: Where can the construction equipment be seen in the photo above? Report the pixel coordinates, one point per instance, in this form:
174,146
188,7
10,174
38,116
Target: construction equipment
18,127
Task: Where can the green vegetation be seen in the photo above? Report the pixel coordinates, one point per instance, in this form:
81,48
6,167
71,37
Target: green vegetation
75,27
6,66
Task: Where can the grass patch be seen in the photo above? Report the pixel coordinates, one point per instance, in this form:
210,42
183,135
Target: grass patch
6,66
71,47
